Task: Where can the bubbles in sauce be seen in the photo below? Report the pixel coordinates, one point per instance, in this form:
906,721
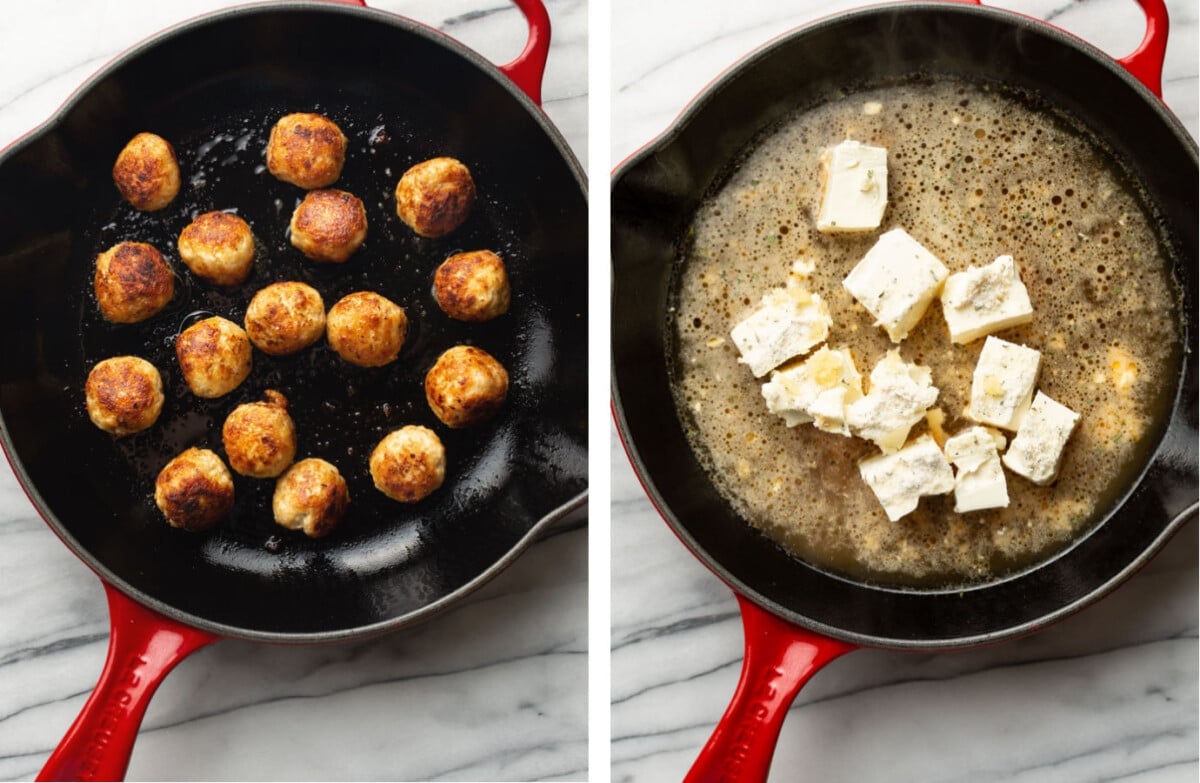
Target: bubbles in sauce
974,172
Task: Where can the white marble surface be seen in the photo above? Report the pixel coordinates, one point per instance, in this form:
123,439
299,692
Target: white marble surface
1110,694
494,690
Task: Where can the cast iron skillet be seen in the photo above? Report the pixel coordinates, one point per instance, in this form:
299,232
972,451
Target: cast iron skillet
796,617
403,93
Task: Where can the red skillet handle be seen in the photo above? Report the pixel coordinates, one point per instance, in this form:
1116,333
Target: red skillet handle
142,648
1146,61
780,658
527,69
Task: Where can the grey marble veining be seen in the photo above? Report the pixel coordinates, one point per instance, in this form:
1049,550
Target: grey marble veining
1108,694
495,689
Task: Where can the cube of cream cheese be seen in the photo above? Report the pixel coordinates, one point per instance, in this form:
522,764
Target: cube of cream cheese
853,187
979,481
1003,383
1036,451
900,480
896,280
899,396
985,299
816,390
788,322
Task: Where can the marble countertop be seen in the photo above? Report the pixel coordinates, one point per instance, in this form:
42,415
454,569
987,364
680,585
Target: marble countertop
1110,694
495,689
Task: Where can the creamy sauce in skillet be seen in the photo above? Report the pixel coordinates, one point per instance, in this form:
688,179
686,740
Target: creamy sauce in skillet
974,173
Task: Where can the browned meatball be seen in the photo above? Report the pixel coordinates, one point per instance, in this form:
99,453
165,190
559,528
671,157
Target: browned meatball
284,318
124,395
147,173
214,355
312,496
472,286
435,197
306,150
329,225
218,247
194,491
260,437
409,464
132,282
466,386
366,329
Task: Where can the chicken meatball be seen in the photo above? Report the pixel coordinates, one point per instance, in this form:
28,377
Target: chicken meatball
147,173
366,329
218,247
409,464
214,355
306,150
124,395
312,496
435,197
132,282
194,491
260,437
329,225
472,286
284,318
466,386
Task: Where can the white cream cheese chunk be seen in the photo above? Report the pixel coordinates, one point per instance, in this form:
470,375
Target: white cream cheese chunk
1036,451
896,280
1003,383
985,299
817,390
853,187
899,396
900,480
789,322
979,481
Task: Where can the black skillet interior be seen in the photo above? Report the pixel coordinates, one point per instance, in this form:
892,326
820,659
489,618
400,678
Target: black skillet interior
655,194
401,94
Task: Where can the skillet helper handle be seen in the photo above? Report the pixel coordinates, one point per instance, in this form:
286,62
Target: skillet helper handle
527,70
142,648
780,658
1145,63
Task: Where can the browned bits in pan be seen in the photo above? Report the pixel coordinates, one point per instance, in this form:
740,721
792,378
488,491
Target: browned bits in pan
366,329
284,318
306,150
409,464
194,491
124,395
435,197
218,247
472,286
147,173
329,225
312,496
214,355
260,437
466,386
132,282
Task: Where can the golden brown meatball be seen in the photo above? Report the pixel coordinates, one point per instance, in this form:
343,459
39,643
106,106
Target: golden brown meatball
218,247
409,464
435,197
147,173
366,329
132,282
466,386
260,437
306,150
214,355
472,286
124,395
312,496
284,318
194,491
329,225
